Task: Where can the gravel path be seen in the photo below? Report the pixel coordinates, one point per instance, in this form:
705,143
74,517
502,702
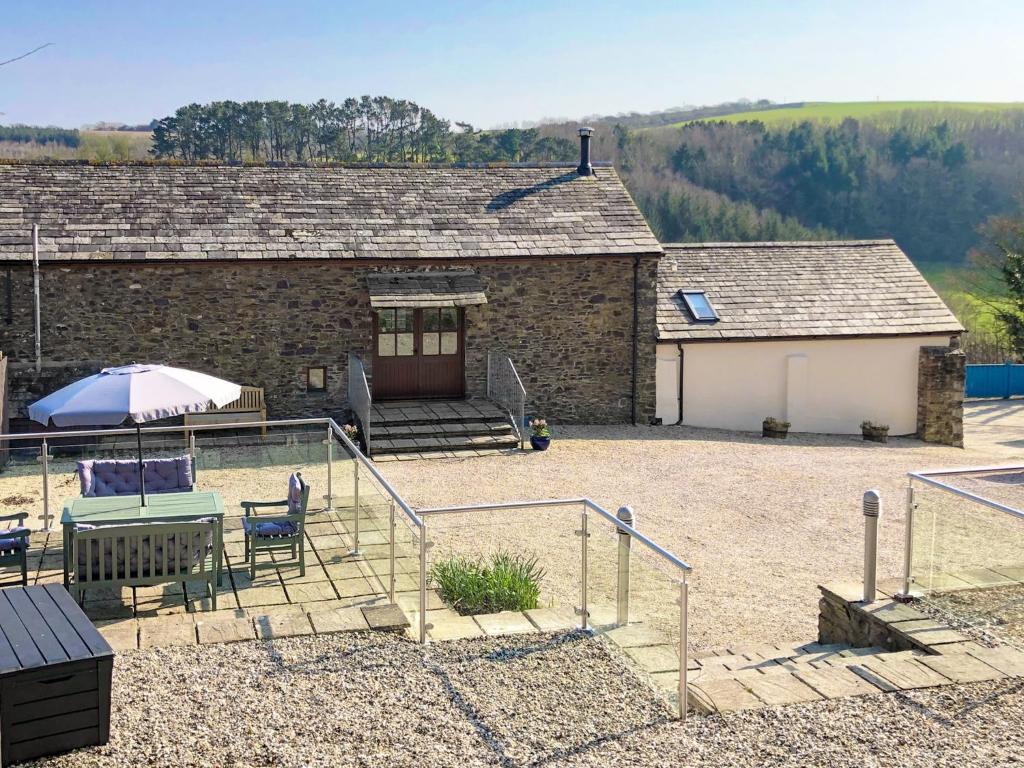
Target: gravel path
374,700
762,522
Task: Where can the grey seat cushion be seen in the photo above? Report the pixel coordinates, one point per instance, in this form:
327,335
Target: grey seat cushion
120,477
11,541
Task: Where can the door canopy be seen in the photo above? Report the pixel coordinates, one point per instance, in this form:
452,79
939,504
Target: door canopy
425,289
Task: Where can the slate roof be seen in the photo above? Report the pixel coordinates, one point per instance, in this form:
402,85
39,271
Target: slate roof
794,290
161,211
426,289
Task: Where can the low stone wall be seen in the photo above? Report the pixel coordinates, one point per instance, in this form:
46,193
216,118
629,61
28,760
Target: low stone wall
940,394
883,623
843,620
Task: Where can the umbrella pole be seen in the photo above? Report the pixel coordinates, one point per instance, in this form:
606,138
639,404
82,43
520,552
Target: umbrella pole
142,474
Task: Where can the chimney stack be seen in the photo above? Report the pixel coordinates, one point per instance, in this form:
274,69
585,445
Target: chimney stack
585,168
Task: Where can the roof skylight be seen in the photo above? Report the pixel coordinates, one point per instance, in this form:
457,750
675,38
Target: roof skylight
700,306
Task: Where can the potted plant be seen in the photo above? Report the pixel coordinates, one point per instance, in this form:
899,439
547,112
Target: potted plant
772,427
540,434
352,433
876,433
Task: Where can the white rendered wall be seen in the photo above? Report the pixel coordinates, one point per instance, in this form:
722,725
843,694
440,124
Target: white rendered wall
818,386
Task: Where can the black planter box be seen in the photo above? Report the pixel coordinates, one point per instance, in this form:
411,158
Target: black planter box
55,671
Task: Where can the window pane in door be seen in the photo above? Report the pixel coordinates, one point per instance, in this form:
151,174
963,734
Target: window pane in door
404,346
386,345
449,319
404,321
431,320
386,320
431,343
449,343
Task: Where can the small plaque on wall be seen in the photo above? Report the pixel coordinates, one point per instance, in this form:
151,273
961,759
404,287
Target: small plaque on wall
316,379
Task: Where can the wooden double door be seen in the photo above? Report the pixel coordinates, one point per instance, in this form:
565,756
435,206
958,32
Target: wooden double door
418,353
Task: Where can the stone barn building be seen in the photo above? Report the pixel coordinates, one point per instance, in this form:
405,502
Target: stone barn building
272,276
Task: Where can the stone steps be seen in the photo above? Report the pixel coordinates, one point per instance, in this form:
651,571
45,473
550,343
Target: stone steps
439,429
814,671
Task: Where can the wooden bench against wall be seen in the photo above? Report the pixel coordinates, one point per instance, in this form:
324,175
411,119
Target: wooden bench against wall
250,406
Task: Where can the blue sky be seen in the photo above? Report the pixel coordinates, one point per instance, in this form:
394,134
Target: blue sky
493,63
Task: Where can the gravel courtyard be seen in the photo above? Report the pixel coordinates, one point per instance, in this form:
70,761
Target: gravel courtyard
762,522
556,700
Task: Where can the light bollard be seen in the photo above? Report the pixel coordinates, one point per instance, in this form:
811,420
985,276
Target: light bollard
625,514
872,509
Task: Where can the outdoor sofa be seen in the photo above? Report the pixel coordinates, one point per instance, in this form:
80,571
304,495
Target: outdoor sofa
120,477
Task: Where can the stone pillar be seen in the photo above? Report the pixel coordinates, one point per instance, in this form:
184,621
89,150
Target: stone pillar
940,394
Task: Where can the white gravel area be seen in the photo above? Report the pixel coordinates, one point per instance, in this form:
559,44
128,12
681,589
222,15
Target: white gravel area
553,700
763,522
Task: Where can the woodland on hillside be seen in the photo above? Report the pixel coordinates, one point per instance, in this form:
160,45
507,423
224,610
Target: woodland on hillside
929,179
372,129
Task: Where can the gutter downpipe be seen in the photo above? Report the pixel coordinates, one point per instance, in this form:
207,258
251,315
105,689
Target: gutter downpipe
35,293
679,347
636,330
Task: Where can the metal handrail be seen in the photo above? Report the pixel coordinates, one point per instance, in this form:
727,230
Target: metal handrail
508,505
506,389
928,478
362,459
358,455
623,528
359,398
154,430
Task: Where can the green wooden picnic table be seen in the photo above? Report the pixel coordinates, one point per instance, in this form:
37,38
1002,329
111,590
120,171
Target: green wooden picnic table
160,507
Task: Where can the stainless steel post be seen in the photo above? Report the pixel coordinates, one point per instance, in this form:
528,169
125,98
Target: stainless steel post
423,583
584,613
391,554
908,543
872,509
684,621
330,462
625,514
44,457
355,507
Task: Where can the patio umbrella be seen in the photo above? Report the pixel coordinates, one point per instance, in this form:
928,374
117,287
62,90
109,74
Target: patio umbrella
138,392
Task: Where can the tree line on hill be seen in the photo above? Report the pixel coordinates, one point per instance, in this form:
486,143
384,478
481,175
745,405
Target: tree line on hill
928,178
372,129
32,134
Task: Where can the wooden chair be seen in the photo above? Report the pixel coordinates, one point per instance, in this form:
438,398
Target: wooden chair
14,543
278,532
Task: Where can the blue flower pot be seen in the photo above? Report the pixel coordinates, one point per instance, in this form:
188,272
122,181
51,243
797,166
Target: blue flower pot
540,443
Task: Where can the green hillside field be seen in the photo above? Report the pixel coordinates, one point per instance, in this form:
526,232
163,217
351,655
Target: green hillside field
836,111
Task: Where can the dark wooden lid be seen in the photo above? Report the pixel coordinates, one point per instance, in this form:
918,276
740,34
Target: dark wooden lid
43,625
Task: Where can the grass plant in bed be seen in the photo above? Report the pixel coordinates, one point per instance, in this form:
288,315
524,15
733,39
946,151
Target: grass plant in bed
504,581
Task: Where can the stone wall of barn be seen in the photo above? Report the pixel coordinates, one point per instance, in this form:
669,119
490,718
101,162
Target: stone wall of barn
567,324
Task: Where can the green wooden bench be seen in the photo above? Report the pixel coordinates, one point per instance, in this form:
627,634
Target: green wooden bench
143,554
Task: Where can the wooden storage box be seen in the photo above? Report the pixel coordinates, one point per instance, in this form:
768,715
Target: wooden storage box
55,671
